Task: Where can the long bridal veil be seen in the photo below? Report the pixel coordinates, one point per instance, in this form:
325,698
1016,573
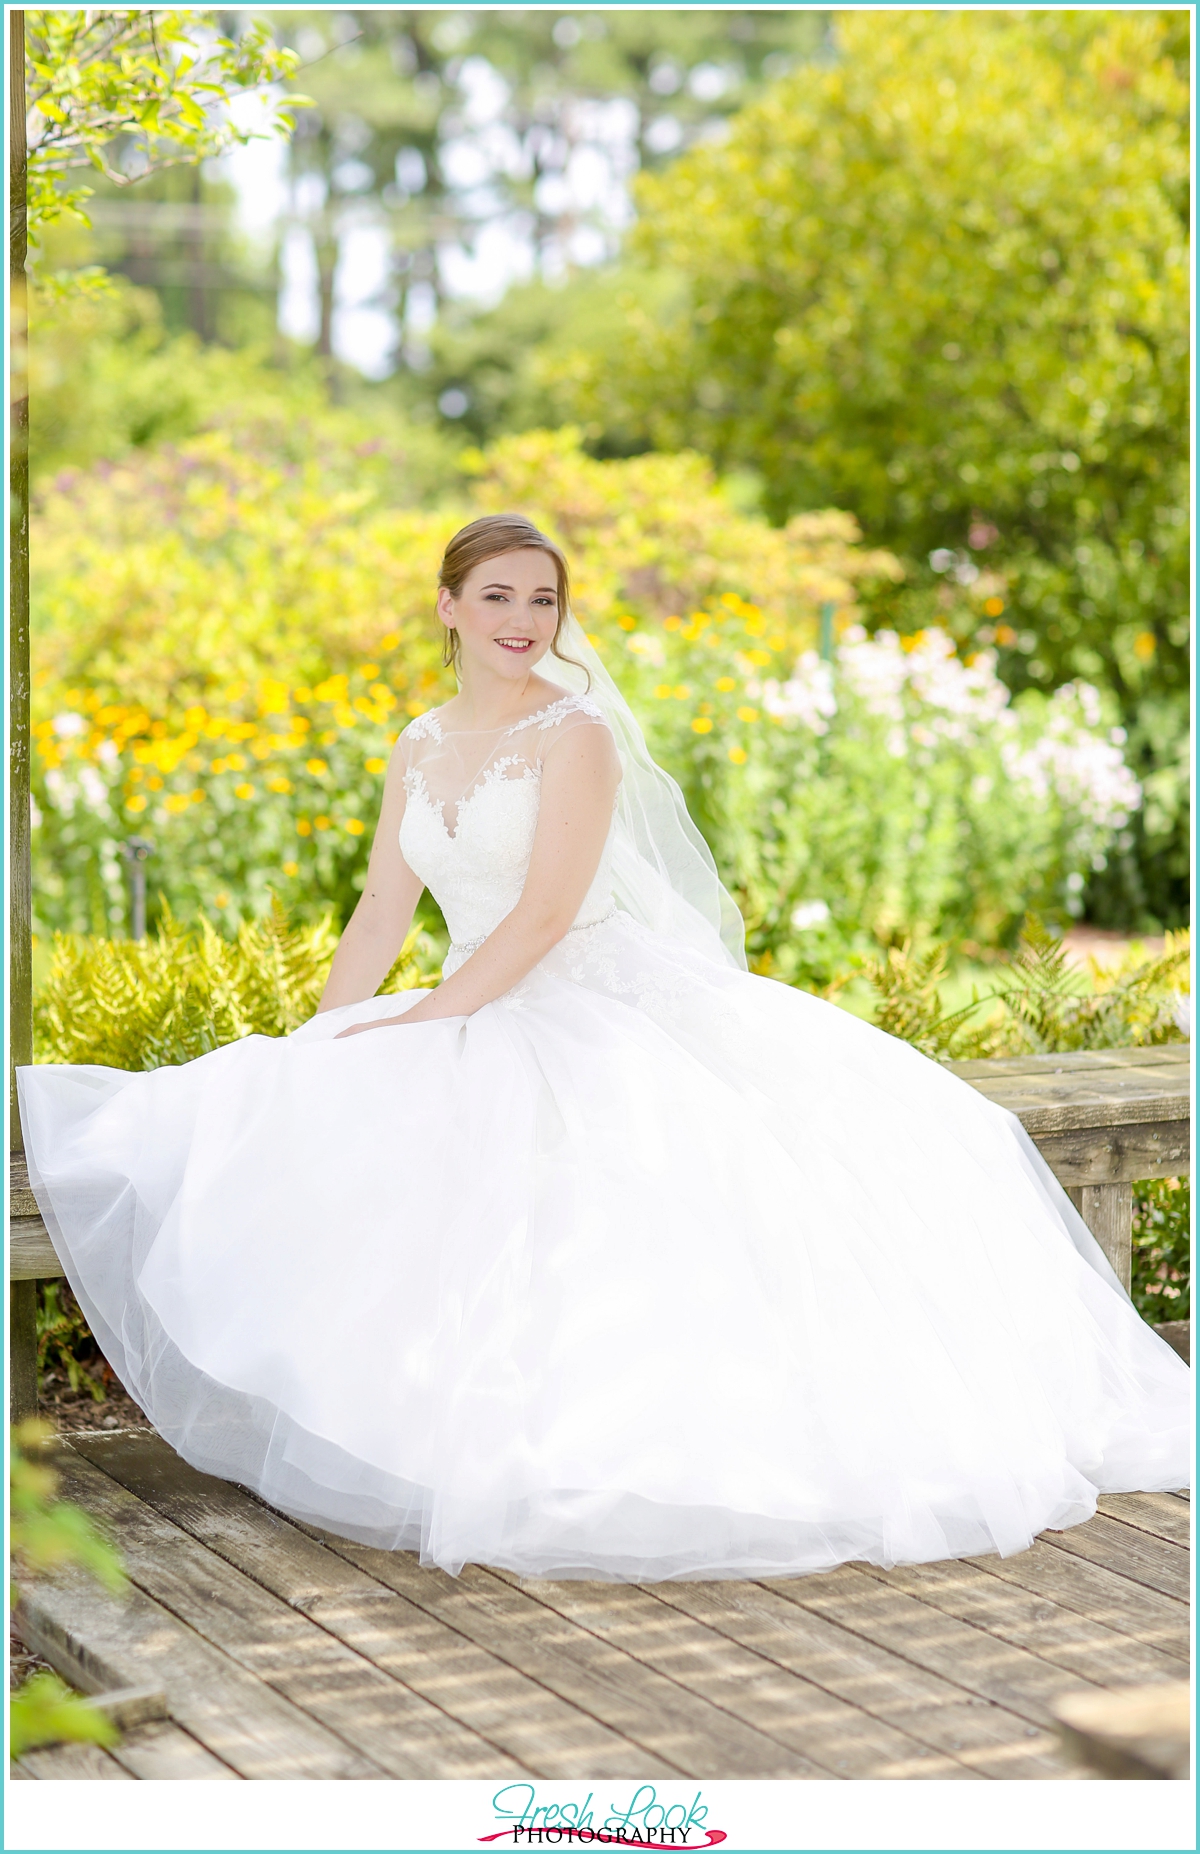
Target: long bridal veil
663,871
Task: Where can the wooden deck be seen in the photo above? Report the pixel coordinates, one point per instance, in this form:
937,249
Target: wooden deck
283,1652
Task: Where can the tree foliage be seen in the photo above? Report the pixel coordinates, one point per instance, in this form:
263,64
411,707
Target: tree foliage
943,283
128,91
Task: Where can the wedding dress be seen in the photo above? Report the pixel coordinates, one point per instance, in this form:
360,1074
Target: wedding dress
649,1269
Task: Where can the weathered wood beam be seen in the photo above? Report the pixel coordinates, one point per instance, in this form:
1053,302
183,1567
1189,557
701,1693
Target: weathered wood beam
1108,1212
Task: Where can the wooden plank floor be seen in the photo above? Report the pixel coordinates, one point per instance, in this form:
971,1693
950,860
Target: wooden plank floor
288,1653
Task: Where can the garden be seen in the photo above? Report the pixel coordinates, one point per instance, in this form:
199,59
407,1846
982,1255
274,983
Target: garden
875,498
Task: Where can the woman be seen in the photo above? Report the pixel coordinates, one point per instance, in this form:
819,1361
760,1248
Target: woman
603,1258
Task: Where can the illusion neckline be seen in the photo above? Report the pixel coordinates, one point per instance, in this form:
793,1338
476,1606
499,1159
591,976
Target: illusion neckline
539,714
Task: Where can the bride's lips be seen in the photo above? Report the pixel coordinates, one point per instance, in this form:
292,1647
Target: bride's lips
519,644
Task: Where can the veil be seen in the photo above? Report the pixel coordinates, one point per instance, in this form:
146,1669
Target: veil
663,871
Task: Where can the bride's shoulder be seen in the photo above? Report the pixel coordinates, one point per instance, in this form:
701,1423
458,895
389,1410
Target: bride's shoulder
560,712
424,727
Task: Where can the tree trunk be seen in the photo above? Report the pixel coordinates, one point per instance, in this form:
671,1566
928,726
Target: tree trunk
20,892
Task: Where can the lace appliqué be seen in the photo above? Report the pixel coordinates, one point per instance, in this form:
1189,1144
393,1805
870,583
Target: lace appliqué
496,774
658,989
425,727
554,713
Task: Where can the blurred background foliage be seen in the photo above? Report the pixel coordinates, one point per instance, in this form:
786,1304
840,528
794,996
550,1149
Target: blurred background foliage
927,269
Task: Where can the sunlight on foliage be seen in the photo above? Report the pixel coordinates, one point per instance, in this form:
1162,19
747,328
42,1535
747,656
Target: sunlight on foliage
1041,1003
182,991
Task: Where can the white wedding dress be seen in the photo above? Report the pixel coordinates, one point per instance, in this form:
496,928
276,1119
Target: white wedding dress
649,1269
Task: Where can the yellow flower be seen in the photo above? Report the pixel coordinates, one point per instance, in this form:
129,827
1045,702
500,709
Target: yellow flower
376,765
136,803
244,790
355,826
177,802
302,695
761,657
627,623
221,900
369,671
291,869
747,714
155,783
389,640
672,624
725,684
1144,646
197,797
236,762
303,827
702,725
993,607
343,714
415,708
315,767
219,766
321,823
681,691
279,785
662,691
738,755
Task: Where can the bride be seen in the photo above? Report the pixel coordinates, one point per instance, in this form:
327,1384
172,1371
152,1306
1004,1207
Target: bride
603,1258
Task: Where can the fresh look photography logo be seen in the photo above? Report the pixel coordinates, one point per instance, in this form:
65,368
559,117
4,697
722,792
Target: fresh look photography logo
646,1821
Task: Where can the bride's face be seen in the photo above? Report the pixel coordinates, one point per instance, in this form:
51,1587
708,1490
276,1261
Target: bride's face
507,612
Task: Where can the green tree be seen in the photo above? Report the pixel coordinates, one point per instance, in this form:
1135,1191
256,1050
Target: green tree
943,283
128,92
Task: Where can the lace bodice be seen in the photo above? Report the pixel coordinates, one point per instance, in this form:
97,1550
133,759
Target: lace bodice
471,812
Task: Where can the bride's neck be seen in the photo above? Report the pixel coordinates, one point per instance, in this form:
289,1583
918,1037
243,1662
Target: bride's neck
485,701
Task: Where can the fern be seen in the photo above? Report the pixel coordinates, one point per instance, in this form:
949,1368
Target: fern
1044,1003
140,1004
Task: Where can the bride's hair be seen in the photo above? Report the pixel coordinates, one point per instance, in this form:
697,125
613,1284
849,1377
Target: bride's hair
483,540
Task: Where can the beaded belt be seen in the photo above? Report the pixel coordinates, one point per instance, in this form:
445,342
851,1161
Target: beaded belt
464,948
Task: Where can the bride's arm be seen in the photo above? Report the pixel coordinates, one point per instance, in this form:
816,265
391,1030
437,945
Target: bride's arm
579,781
375,931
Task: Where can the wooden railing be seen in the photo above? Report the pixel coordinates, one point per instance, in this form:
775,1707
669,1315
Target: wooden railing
1101,1119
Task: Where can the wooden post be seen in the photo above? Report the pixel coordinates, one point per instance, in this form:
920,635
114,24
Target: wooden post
1107,1210
22,1305
20,917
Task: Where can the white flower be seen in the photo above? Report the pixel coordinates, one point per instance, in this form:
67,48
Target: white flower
95,792
807,696
68,724
1183,1012
809,914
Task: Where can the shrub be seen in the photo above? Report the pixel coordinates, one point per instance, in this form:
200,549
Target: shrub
1042,1003
137,1004
1162,1252
229,643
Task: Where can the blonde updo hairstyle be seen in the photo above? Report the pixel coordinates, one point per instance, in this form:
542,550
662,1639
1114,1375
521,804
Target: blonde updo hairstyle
483,540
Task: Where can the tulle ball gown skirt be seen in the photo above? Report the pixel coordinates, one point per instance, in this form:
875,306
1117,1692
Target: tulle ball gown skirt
651,1269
